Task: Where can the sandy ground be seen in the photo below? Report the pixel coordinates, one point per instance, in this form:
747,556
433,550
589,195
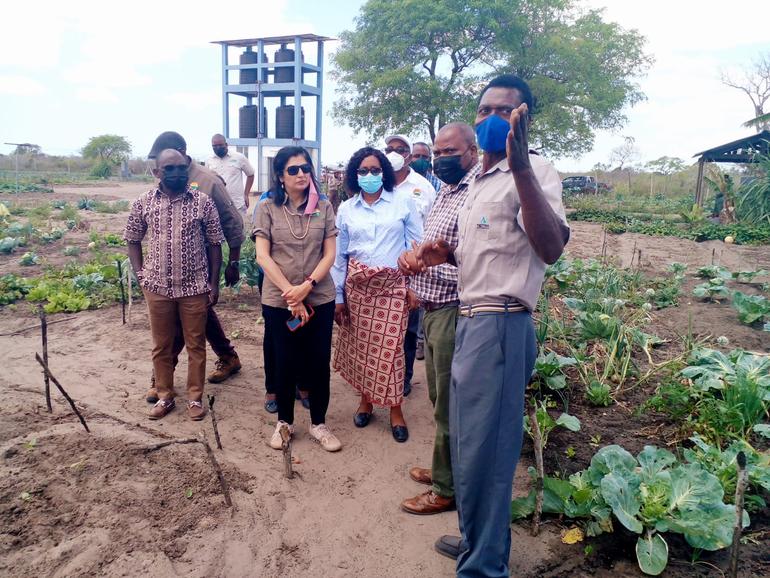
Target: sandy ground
74,504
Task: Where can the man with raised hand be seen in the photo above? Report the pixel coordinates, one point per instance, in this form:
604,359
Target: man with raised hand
511,227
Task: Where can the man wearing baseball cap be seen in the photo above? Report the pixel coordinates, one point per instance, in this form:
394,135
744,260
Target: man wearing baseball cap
399,152
209,183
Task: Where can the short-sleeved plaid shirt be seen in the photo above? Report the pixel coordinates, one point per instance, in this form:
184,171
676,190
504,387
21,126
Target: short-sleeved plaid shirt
176,264
438,285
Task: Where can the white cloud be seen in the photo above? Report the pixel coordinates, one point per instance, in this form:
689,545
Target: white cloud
15,85
195,101
96,95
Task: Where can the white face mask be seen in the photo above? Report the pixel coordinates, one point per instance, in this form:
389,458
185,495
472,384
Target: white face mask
396,160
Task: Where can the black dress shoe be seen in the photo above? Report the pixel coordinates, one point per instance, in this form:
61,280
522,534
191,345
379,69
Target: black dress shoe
362,419
400,433
449,546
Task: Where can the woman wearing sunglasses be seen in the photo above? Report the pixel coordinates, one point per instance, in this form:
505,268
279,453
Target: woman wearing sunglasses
376,226
295,238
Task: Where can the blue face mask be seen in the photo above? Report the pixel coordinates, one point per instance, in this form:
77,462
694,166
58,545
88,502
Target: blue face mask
370,183
492,134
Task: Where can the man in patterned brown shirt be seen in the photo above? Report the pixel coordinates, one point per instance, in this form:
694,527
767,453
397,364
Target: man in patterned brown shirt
213,186
180,277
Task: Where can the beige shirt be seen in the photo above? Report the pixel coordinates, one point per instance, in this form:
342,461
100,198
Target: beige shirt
496,263
297,258
232,168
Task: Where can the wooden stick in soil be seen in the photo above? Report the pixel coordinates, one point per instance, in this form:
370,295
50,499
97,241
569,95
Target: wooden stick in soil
122,291
44,332
740,489
538,443
61,389
633,254
129,282
218,470
212,399
156,447
286,449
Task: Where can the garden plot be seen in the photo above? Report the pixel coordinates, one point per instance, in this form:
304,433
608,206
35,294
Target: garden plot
75,503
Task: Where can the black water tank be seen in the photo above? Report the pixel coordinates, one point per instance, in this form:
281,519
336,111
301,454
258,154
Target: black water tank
285,73
284,122
247,121
250,75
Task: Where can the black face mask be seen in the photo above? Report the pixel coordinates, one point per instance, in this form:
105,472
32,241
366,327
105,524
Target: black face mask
174,179
220,151
449,169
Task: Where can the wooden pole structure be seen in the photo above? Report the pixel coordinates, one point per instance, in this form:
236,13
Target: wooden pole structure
740,489
286,449
44,332
122,291
699,184
61,389
212,399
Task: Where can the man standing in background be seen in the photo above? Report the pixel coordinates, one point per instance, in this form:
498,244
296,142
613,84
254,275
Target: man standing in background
399,152
231,166
421,162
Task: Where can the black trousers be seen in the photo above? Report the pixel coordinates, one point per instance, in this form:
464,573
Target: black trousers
301,356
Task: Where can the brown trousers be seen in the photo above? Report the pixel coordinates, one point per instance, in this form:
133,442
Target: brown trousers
166,315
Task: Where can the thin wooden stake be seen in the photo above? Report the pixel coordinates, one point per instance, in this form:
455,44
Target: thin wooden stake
61,389
129,282
212,399
639,261
44,333
156,447
286,449
633,254
537,439
218,470
740,489
713,254
122,291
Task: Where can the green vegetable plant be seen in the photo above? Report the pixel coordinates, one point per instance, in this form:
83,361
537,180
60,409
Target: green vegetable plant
714,290
751,308
547,423
650,495
599,394
29,258
748,276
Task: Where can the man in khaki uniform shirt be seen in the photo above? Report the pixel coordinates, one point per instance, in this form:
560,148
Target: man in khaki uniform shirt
511,225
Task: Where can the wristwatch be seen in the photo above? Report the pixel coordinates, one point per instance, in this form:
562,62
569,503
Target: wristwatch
235,264
313,282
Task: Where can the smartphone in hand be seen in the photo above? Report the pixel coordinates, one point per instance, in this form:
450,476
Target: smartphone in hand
296,322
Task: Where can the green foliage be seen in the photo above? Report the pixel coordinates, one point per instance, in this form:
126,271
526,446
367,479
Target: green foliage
29,258
599,394
8,245
12,288
649,495
753,200
547,423
108,148
549,370
751,308
409,64
71,251
102,169
714,290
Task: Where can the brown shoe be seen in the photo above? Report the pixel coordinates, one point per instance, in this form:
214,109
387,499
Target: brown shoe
421,475
224,368
152,395
195,410
428,503
162,408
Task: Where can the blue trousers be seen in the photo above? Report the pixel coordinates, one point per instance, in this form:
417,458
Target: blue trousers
493,361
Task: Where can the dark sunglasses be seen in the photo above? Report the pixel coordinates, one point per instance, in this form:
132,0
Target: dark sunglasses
399,150
294,170
362,172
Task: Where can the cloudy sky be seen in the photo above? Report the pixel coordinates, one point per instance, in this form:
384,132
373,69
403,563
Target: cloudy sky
72,70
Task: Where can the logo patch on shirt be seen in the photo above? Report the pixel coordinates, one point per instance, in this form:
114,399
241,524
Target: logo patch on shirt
194,186
483,223
417,193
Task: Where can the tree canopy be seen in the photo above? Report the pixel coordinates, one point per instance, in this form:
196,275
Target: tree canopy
412,66
109,148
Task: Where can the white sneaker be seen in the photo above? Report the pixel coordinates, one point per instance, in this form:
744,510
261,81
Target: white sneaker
276,442
326,438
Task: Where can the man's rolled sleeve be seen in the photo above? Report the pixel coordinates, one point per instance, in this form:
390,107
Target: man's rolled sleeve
136,227
229,217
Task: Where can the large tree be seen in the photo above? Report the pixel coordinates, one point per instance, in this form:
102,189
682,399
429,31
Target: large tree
412,66
754,83
107,148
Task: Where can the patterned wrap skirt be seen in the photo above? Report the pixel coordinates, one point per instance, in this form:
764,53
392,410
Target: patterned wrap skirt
370,348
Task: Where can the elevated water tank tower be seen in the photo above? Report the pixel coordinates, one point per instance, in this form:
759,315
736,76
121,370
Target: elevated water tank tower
270,99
